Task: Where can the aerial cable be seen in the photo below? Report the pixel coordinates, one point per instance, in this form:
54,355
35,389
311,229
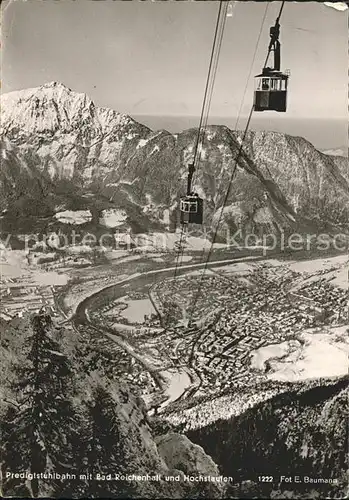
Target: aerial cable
199,149
251,67
211,86
221,215
180,251
223,6
222,14
217,42
196,297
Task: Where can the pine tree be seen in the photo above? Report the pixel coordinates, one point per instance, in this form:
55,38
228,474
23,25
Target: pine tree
106,449
36,435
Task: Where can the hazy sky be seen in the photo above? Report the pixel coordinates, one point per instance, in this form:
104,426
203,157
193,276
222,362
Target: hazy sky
152,57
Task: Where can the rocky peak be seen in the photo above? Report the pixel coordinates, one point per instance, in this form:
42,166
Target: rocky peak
60,126
47,109
56,84
53,108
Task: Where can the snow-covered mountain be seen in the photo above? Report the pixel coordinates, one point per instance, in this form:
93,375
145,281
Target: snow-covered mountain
66,129
100,154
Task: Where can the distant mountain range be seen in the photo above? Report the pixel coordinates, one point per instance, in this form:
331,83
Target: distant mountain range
342,151
61,152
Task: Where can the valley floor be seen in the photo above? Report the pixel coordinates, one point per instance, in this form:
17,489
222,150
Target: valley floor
255,325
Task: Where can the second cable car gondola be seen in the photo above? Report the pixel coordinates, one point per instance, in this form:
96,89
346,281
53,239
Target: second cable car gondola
271,85
191,205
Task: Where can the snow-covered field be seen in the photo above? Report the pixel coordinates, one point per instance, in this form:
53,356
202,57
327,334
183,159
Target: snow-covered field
14,264
314,265
341,278
136,309
335,270
337,277
323,354
169,241
272,351
75,217
242,267
178,382
185,258
336,152
113,217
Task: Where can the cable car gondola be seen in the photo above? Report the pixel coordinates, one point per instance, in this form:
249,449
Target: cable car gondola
191,205
270,94
271,85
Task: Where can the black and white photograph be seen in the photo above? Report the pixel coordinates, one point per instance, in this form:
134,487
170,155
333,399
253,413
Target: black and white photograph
174,236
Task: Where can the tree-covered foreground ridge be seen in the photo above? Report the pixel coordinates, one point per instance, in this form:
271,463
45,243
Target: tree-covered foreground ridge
65,422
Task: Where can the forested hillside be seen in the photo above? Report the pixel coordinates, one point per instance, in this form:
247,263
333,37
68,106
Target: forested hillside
302,432
62,415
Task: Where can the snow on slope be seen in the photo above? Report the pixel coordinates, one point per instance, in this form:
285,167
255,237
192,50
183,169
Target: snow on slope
336,152
66,129
165,242
113,217
75,217
54,106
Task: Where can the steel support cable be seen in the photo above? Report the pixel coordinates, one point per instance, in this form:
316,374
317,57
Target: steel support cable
247,81
218,35
211,87
228,190
180,250
251,67
206,114
199,147
196,297
202,129
213,74
207,102
211,93
223,6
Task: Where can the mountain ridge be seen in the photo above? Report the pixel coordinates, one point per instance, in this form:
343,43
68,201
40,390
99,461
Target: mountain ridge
280,180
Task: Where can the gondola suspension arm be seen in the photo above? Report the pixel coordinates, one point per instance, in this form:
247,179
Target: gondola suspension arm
274,44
